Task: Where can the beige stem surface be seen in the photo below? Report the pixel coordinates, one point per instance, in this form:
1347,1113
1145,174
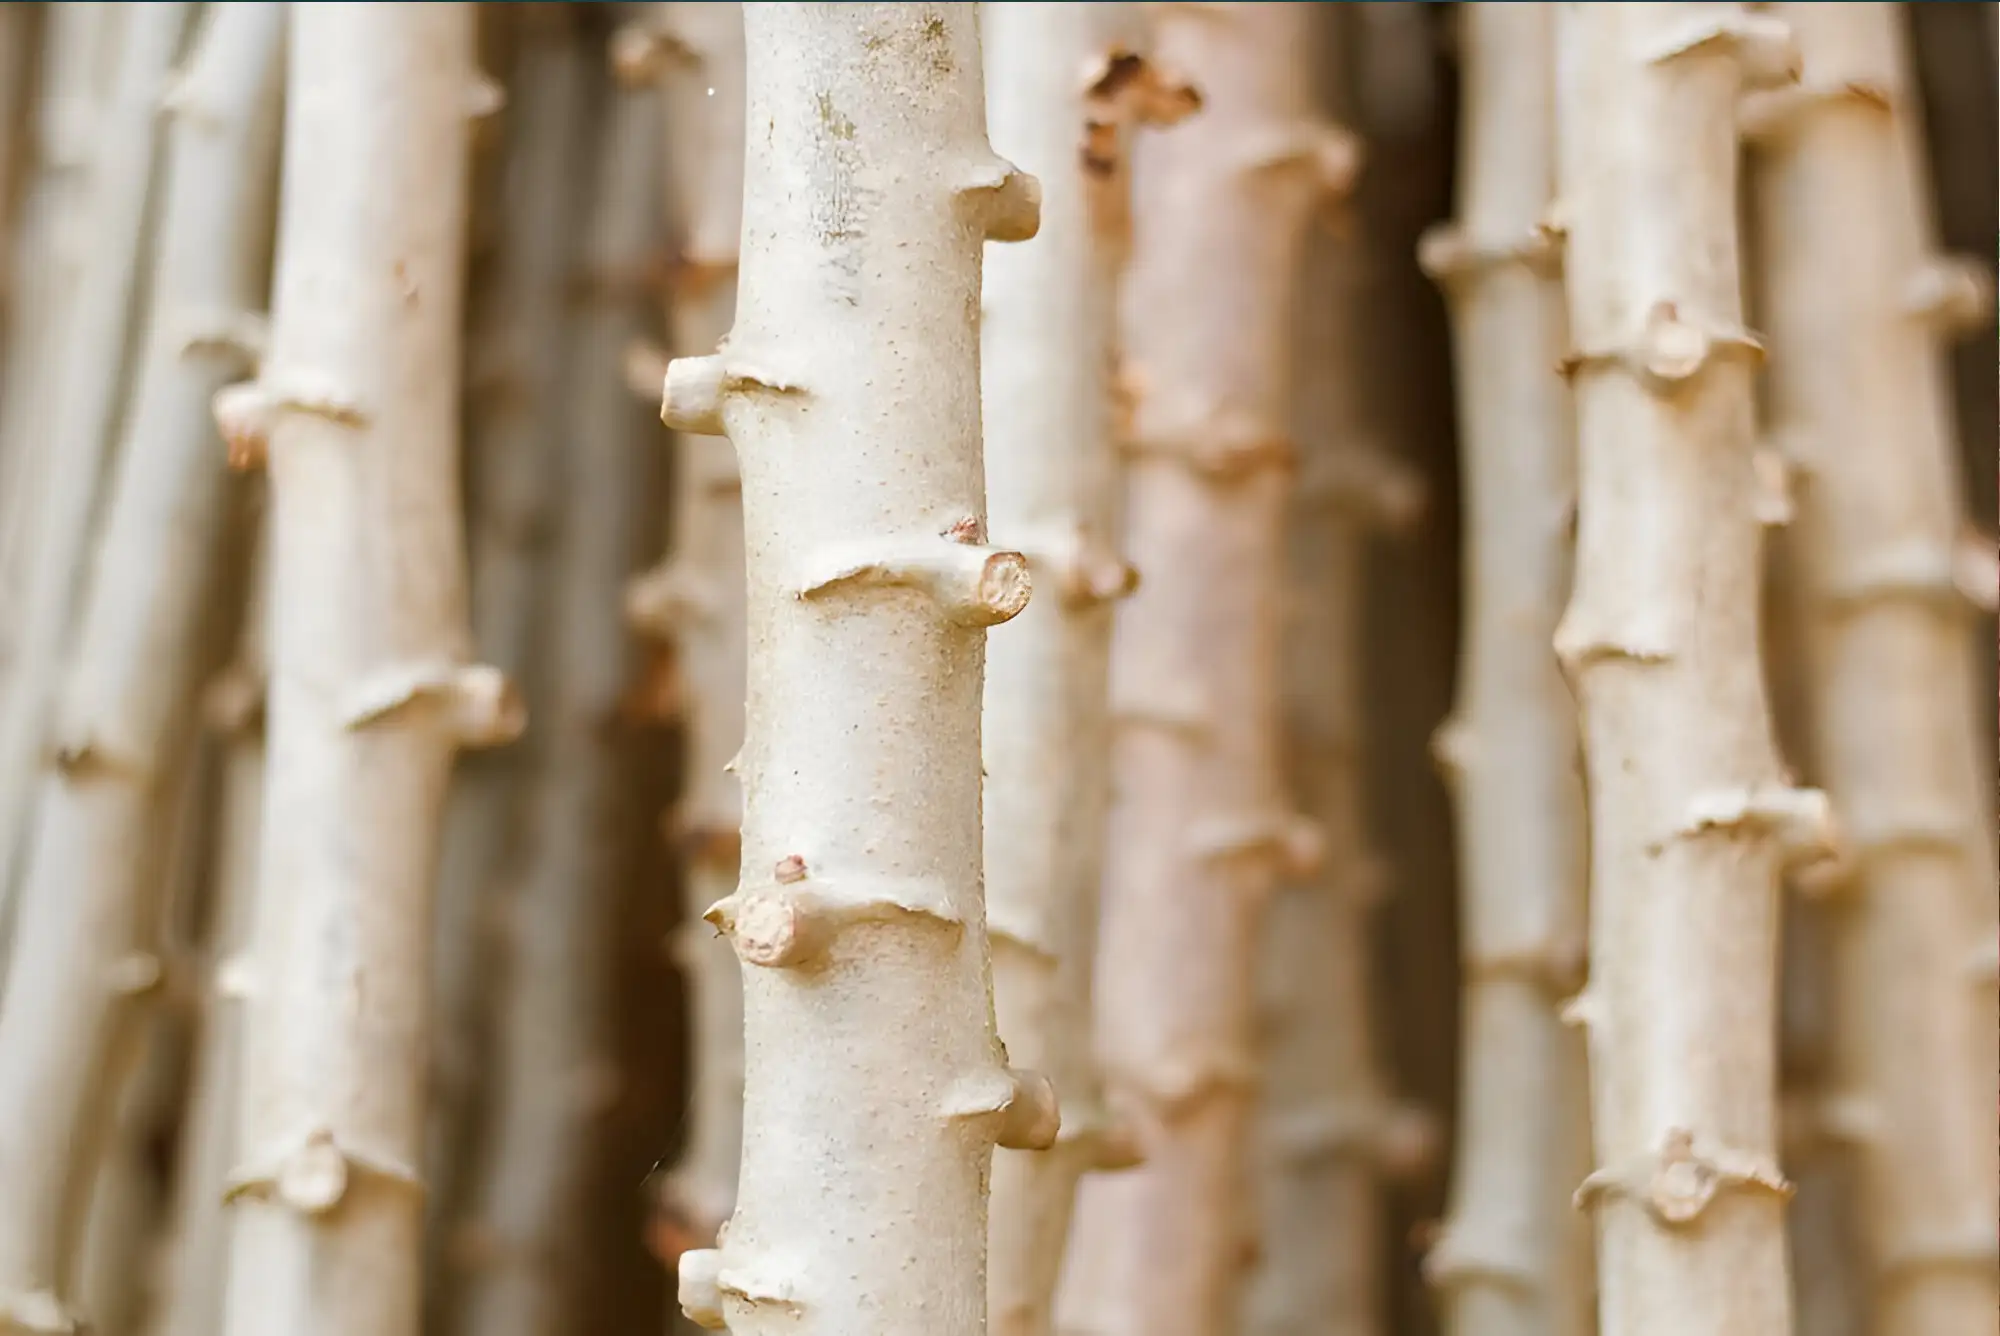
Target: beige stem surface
1201,829
874,1085
697,597
87,935
370,694
1857,304
1514,1258
1064,84
1691,815
84,415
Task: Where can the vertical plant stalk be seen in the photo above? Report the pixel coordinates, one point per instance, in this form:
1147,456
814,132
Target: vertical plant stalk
1514,1256
20,27
370,695
89,922
1202,830
45,253
1063,90
84,418
874,1086
1328,1135
696,598
515,435
199,1220
1857,306
1691,814
552,1066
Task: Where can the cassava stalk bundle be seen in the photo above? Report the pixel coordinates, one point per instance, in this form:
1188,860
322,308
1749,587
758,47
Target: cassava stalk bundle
553,1073
874,1086
1514,1256
370,695
1201,831
1063,86
697,596
1691,815
90,912
89,378
1856,304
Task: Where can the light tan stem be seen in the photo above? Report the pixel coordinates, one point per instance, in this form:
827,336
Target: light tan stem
199,1222
1202,829
84,414
552,1070
874,1086
697,597
1328,1135
89,921
515,435
19,29
1065,87
1857,304
1514,1256
1691,815
369,691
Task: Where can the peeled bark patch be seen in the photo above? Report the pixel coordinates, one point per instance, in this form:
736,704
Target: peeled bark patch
874,1087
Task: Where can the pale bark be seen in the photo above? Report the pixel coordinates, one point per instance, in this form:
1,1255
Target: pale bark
515,435
369,690
1064,86
44,255
1691,815
697,596
20,27
874,1086
1513,1259
89,917
1201,830
552,1069
84,416
193,1283
1856,305
1328,1135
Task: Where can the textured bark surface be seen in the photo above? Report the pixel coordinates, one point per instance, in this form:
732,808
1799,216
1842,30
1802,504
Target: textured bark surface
697,597
1691,814
552,1073
874,1086
1856,303
514,438
89,377
1201,830
90,911
369,690
1064,86
1513,1259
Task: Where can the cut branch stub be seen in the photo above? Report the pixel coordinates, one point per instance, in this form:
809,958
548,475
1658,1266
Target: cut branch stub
1023,1102
482,707
1678,1183
791,922
1670,352
1005,201
971,583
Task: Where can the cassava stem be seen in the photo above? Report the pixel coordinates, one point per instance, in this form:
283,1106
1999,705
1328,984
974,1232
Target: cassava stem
874,1086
